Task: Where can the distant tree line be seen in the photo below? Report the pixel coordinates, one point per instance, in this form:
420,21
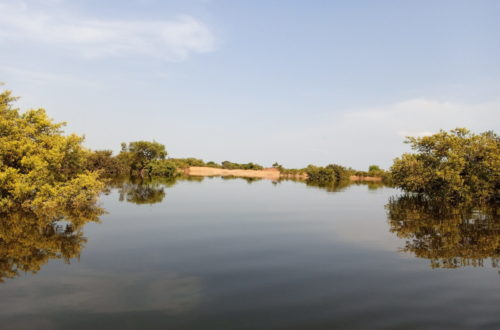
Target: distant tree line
136,159
148,159
187,162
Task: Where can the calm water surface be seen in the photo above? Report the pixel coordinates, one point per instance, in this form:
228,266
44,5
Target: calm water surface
227,254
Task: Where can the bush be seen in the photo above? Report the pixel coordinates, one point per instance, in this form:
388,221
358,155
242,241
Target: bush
109,166
235,166
328,174
456,166
41,169
162,168
139,154
187,162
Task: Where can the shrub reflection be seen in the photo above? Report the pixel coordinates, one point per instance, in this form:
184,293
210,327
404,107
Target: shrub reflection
142,191
28,241
449,236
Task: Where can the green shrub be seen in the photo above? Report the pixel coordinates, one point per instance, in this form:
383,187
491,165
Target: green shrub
457,166
109,166
328,174
162,168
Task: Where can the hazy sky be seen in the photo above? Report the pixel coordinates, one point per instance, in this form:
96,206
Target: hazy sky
296,82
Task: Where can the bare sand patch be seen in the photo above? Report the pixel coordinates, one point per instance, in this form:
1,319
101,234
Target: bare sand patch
267,173
211,171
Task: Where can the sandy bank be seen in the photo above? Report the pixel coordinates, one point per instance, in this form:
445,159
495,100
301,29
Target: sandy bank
271,174
267,173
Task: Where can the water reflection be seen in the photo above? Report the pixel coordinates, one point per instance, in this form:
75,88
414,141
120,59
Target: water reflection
449,236
248,180
28,241
142,191
329,186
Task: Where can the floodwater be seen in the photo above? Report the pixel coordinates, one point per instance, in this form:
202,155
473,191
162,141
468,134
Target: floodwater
232,254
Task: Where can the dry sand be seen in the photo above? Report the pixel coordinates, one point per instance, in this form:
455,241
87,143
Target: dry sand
272,174
267,173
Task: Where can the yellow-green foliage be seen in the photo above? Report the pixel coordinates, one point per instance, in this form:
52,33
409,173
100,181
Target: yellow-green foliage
41,170
457,166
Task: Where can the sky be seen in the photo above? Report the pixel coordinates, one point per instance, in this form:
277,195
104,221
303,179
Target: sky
297,82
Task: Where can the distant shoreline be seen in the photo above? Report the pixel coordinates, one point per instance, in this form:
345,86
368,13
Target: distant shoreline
267,173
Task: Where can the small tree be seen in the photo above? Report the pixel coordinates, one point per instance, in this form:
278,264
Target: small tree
109,166
278,166
141,153
457,166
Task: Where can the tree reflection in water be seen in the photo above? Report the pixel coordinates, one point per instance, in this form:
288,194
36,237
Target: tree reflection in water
335,186
28,241
449,236
142,191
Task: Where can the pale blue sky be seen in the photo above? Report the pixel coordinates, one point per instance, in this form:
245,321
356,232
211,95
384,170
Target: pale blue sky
296,82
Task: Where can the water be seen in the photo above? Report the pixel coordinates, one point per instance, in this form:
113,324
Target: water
228,254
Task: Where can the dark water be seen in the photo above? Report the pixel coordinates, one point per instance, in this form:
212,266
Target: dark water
226,254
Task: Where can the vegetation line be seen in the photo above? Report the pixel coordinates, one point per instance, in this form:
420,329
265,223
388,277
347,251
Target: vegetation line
265,173
44,171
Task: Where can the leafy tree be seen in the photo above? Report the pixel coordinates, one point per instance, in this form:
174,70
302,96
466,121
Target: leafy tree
456,166
162,168
41,170
324,175
278,166
140,154
340,173
109,166
375,170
